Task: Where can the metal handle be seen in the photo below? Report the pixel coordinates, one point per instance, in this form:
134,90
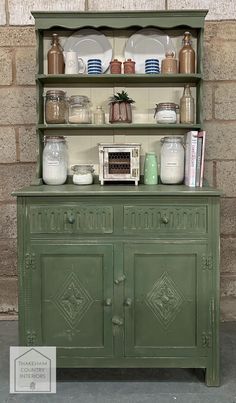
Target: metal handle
165,219
128,302
120,279
108,302
117,321
71,218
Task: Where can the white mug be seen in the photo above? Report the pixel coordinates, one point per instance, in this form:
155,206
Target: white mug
73,63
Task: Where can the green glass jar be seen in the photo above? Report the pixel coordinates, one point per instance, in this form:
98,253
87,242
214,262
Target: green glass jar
150,169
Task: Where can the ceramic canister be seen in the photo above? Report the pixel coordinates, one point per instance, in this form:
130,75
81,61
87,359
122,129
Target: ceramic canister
150,169
129,67
115,67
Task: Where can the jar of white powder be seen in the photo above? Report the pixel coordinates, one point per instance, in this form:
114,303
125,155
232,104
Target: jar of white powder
82,174
172,160
79,109
165,112
55,160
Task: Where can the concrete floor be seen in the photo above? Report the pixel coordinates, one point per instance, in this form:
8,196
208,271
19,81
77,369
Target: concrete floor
128,386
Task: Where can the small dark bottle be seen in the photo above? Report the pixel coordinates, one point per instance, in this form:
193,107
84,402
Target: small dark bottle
56,63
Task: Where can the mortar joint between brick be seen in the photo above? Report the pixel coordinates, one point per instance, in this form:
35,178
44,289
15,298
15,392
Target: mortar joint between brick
229,275
228,236
214,173
7,13
17,135
13,67
4,203
213,101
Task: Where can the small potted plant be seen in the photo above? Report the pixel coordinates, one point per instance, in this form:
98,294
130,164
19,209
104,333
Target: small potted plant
120,108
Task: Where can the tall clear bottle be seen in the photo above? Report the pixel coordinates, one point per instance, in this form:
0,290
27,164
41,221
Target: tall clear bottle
55,57
187,106
187,56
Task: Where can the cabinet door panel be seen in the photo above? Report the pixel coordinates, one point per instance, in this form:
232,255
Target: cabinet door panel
164,283
73,283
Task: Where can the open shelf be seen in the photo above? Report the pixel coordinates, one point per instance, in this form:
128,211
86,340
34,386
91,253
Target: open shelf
116,126
119,79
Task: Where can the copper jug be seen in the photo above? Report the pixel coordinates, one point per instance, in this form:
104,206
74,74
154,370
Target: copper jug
55,57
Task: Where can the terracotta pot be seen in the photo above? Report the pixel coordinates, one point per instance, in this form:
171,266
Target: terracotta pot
120,112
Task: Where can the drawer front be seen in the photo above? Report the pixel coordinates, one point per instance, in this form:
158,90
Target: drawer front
165,219
87,219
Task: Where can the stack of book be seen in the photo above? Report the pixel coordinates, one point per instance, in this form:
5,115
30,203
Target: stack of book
194,158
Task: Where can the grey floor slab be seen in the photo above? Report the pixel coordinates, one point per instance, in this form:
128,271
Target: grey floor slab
128,386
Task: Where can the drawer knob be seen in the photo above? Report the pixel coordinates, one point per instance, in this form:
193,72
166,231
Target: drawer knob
120,279
128,302
117,321
108,302
71,218
164,219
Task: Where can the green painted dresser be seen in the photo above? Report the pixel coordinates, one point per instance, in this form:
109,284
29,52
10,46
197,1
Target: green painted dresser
121,276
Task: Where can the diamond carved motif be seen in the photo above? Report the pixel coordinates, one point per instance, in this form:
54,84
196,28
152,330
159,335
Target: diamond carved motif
165,300
73,300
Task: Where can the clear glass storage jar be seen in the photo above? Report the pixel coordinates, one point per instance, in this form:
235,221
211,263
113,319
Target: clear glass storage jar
55,160
172,160
79,109
55,106
82,174
165,112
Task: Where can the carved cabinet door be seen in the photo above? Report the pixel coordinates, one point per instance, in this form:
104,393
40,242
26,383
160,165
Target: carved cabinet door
167,299
70,292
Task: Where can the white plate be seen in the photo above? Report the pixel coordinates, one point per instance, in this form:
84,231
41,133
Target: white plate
90,44
147,43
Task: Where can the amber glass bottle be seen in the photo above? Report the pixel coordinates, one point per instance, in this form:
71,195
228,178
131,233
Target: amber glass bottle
187,56
56,63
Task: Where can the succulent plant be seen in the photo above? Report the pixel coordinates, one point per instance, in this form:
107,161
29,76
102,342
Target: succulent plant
121,97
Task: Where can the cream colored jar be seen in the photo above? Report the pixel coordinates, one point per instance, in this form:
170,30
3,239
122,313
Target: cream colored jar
172,160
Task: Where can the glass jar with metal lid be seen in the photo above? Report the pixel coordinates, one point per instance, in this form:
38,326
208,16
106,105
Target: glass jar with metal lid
79,109
55,107
165,112
82,174
55,160
172,160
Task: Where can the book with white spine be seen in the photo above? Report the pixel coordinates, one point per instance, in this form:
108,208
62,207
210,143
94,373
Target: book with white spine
202,135
191,158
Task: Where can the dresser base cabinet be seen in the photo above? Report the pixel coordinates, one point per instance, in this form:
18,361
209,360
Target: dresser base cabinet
121,280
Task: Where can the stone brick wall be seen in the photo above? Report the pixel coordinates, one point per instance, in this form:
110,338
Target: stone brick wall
17,118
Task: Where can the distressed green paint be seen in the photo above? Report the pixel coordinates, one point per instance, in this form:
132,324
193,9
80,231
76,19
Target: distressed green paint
104,80
128,274
46,21
162,19
120,276
164,283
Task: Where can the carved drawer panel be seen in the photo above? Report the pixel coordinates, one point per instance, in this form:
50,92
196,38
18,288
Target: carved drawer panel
71,219
189,218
